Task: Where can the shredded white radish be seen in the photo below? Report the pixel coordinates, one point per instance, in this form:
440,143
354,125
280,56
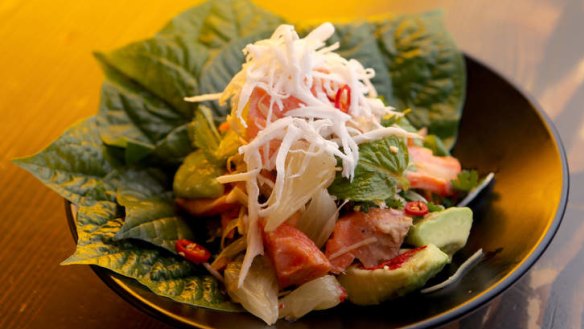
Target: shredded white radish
383,132
240,177
354,246
255,245
464,267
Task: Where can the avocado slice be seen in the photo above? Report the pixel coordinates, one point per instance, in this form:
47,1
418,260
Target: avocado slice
447,229
397,277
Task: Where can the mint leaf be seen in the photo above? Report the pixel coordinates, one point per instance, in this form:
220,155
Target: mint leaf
378,172
427,72
466,180
378,156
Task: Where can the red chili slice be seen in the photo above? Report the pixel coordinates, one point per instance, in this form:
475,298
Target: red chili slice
191,251
343,295
416,208
340,103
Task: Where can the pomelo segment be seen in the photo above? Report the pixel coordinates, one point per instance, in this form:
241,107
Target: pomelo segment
319,294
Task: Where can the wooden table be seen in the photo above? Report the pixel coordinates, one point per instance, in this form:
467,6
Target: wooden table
49,80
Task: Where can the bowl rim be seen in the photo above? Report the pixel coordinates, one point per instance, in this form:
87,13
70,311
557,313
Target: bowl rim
119,284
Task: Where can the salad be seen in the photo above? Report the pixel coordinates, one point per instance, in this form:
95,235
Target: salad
316,184
311,168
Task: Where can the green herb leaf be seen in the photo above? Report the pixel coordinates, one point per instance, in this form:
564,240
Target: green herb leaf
160,271
466,180
394,203
205,134
215,24
427,72
432,207
196,177
377,174
400,121
134,119
435,144
149,210
77,165
229,145
167,68
175,146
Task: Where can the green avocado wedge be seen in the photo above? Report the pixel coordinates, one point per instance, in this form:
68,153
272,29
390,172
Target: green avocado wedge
447,229
373,286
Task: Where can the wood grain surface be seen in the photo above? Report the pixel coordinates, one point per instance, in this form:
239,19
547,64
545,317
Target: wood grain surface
49,80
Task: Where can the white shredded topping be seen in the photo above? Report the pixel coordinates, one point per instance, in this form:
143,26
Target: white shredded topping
383,132
464,267
352,247
239,177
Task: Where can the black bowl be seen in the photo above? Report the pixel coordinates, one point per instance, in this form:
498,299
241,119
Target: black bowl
501,131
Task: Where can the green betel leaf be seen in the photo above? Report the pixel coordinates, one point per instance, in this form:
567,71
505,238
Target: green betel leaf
169,65
149,210
77,165
160,271
167,68
175,146
378,172
132,118
156,74
427,72
216,23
